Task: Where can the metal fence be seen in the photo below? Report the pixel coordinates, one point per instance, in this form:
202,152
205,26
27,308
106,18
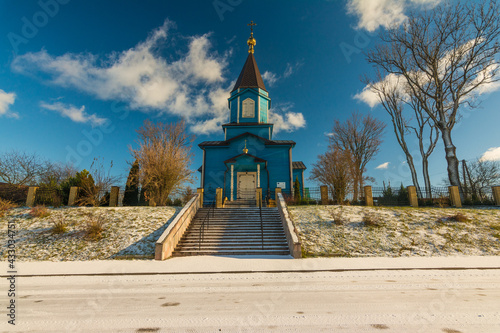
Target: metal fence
49,197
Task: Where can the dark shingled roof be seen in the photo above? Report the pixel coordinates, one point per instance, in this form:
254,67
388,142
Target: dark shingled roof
298,165
250,75
266,141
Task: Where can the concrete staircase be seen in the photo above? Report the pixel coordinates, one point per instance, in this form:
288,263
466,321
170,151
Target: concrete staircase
235,231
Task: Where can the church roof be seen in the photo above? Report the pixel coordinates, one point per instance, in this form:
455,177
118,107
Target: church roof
234,159
298,165
250,75
266,141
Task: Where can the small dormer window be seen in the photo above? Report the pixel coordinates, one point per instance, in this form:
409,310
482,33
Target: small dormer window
248,108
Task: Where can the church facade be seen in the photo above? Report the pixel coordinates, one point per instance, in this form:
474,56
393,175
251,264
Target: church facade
248,157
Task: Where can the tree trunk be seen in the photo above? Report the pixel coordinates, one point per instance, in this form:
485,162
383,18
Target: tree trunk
427,180
451,158
413,171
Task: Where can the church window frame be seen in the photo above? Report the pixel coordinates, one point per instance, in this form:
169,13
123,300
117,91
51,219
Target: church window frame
248,108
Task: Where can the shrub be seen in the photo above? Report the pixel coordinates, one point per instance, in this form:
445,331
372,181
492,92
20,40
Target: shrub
39,211
59,226
371,220
459,217
5,206
94,227
338,218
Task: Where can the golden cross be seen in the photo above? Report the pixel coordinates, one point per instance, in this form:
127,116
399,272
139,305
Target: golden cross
251,24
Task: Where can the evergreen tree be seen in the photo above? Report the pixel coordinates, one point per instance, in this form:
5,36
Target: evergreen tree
142,198
131,196
296,190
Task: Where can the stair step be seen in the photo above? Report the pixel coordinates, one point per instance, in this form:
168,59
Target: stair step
233,252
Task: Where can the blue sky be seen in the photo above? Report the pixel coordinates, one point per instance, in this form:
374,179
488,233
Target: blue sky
77,78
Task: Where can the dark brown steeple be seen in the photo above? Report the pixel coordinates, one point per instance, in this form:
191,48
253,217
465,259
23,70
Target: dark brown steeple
250,75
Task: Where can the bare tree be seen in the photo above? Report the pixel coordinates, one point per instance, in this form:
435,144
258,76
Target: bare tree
394,95
164,156
362,136
20,168
54,172
336,168
480,176
447,57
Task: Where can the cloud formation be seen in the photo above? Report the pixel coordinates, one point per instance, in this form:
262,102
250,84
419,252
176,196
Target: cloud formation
272,78
78,115
383,166
373,14
189,84
492,154
6,100
284,119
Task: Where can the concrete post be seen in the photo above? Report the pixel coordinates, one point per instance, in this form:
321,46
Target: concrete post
258,197
324,195
30,200
200,192
455,197
113,196
218,197
496,194
368,195
73,195
278,190
412,196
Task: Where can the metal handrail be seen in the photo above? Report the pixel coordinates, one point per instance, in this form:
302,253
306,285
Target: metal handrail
261,223
211,209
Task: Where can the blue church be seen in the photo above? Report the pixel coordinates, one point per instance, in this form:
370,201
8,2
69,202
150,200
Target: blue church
248,157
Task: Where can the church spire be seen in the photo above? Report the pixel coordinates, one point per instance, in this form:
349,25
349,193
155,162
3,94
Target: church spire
251,41
250,75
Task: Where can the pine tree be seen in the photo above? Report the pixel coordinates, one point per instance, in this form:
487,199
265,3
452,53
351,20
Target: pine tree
296,190
131,196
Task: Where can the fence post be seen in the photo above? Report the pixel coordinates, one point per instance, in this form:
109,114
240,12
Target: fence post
278,190
368,195
73,195
218,197
496,194
30,200
324,194
113,196
200,192
258,196
455,197
412,196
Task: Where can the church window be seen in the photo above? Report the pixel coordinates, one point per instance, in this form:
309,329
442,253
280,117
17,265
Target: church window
248,108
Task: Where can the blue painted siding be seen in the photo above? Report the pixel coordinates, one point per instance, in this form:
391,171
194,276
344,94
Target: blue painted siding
260,130
298,173
263,110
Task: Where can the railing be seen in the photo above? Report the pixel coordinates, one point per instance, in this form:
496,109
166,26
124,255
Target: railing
206,219
261,223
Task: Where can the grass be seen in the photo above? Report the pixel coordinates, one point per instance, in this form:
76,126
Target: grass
5,206
60,226
94,227
459,217
39,211
371,220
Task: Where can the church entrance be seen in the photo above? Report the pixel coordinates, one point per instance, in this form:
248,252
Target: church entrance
247,183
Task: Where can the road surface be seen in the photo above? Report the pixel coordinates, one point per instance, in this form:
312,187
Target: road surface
354,301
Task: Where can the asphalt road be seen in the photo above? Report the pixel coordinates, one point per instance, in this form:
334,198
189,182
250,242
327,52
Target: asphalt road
358,301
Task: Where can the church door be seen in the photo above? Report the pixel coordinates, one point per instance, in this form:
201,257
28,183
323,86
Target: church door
246,185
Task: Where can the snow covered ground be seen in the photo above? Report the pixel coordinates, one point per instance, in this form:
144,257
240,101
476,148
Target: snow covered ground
131,232
128,232
401,231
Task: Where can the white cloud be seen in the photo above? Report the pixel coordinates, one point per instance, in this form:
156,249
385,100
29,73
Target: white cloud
370,96
77,115
189,86
492,154
6,100
383,166
270,78
375,13
285,120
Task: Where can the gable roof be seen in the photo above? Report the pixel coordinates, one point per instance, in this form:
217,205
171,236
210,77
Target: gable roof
250,75
266,141
255,158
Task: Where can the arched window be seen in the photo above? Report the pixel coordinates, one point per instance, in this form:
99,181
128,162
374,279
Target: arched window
248,108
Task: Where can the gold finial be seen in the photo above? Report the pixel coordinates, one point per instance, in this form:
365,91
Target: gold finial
245,150
251,41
